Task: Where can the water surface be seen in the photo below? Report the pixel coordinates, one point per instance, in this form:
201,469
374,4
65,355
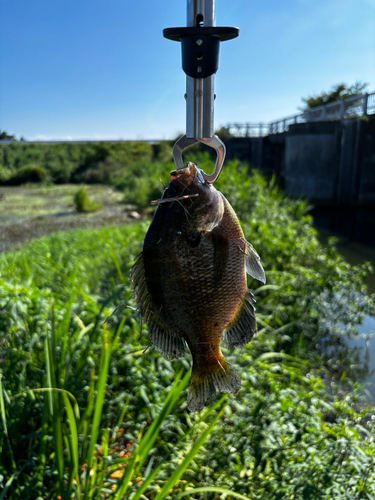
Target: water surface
355,254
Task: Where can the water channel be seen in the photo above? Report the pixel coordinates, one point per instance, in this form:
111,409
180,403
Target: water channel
356,253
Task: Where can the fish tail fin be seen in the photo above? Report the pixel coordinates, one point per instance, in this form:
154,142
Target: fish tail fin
207,381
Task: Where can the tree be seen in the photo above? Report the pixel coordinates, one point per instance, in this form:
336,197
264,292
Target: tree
338,92
4,136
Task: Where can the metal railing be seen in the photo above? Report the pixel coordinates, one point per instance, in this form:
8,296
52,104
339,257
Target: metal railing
370,103
247,129
361,105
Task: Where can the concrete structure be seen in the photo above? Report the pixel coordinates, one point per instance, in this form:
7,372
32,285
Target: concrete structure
330,163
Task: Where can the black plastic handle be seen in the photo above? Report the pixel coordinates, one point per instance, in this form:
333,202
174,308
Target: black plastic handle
200,47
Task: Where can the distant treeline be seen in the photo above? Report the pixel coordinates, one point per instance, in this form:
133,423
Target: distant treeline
91,162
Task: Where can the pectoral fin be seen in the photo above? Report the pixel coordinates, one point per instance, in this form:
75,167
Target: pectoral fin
252,263
169,344
244,324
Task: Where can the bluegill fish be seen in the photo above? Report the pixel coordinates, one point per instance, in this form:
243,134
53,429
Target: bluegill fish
189,282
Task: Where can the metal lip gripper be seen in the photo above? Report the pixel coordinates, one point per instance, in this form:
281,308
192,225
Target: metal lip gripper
200,43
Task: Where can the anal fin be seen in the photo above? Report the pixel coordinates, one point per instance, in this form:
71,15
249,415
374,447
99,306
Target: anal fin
244,324
168,343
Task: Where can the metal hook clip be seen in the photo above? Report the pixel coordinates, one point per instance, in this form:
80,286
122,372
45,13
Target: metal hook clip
214,142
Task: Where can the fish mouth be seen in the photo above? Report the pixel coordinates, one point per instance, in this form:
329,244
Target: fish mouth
186,175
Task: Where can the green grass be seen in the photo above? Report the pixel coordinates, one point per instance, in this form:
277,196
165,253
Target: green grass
85,413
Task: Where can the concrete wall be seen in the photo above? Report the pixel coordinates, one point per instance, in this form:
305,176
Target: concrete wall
330,163
311,160
367,164
326,162
264,153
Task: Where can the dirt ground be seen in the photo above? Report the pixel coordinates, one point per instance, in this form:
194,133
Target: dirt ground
29,212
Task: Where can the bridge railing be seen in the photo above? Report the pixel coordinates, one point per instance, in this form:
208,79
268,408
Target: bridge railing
371,103
347,108
361,105
247,129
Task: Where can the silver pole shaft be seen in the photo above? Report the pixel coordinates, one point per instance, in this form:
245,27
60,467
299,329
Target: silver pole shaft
205,8
200,91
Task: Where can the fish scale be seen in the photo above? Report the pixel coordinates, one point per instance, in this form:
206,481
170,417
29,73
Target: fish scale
189,283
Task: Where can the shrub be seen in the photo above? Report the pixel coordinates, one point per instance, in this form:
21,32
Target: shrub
82,202
26,174
142,182
5,174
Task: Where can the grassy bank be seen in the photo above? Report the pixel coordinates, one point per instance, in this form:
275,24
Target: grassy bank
86,413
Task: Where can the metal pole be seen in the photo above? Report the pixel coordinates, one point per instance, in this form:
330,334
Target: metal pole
200,91
200,42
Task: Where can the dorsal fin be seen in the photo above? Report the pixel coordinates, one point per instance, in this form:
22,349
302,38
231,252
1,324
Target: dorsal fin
243,326
252,263
168,343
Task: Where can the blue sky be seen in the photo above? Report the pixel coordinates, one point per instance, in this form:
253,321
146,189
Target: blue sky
90,69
